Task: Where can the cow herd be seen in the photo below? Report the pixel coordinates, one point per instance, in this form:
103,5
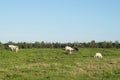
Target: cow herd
68,49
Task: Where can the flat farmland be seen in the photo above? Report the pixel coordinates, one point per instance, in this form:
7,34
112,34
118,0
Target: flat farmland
56,64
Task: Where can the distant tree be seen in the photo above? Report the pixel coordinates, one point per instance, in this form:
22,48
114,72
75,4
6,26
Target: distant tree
36,44
29,45
68,44
25,45
56,45
20,44
62,45
83,45
109,44
76,44
117,44
42,44
1,45
88,45
93,44
10,42
104,44
48,45
99,44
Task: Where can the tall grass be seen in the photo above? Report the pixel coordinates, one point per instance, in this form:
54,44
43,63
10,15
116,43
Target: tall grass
55,64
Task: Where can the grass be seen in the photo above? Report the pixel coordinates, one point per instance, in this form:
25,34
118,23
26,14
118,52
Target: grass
55,64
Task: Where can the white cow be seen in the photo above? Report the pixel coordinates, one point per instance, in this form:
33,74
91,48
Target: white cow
98,55
69,49
14,48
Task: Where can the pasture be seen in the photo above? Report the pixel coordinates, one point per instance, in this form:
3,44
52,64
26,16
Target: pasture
55,64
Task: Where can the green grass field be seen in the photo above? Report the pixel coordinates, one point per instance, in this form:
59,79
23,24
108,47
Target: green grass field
55,64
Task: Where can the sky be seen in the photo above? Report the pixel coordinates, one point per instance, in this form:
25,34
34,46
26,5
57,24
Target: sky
59,20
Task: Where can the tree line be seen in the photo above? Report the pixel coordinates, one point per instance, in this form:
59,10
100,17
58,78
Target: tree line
42,44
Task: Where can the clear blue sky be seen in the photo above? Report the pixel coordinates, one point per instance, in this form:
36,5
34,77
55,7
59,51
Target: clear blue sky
59,20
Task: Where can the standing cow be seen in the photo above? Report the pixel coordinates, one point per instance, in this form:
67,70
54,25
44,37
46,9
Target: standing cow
69,49
13,48
98,55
